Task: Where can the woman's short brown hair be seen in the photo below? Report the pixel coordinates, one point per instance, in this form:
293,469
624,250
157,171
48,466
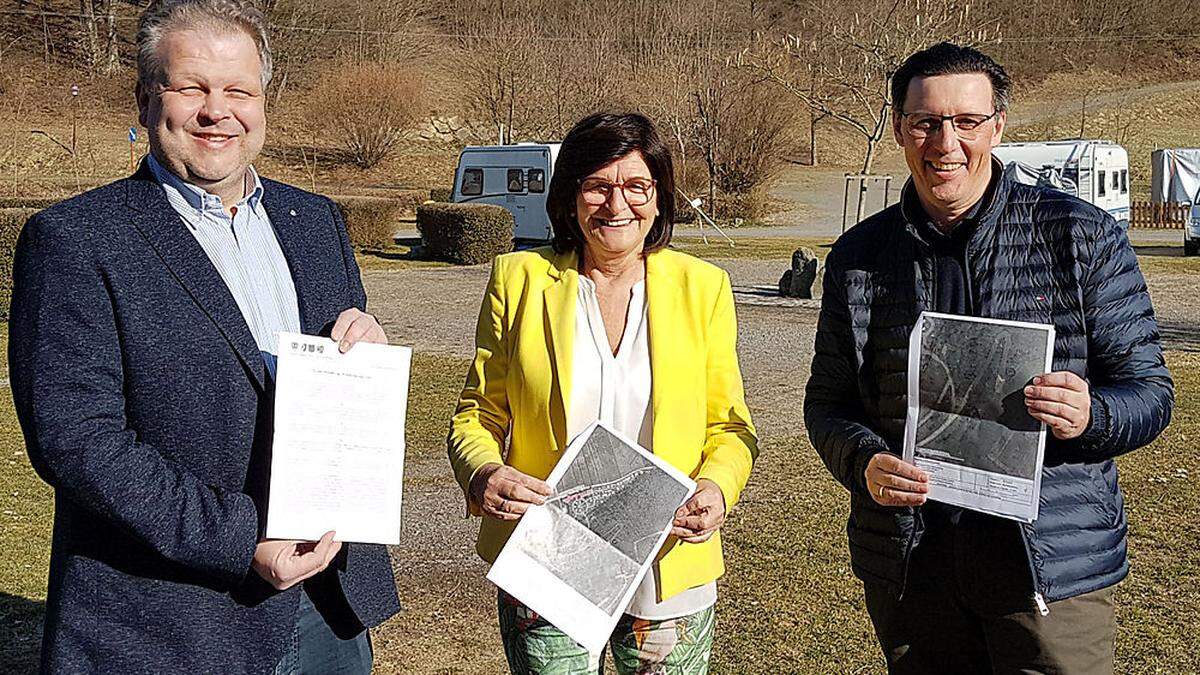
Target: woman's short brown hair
598,140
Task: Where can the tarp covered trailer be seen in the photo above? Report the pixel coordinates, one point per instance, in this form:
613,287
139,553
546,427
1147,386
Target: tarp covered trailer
1175,179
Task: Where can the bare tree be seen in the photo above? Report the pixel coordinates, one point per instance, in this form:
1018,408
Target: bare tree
369,106
841,67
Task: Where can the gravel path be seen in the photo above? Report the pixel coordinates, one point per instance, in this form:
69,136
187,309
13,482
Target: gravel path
434,310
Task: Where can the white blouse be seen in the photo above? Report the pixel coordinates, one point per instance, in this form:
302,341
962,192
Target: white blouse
616,389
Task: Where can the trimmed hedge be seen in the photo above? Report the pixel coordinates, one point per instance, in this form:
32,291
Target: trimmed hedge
464,234
440,194
372,222
11,222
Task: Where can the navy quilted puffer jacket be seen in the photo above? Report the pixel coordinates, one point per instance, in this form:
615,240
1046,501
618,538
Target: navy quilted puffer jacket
1037,255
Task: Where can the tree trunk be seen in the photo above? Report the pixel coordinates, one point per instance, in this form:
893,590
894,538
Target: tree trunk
87,20
881,125
812,137
111,61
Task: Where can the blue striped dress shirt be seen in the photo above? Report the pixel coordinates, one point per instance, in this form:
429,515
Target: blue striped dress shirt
246,253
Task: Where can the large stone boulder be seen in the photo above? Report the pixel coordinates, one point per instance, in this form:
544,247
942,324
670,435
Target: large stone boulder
798,281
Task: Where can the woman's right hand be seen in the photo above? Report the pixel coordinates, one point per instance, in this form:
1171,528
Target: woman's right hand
504,493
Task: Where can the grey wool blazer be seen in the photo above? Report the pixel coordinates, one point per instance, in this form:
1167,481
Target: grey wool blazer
145,404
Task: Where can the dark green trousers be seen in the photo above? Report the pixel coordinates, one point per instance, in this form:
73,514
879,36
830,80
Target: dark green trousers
969,608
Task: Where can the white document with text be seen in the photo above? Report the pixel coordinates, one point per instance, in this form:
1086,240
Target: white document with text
338,455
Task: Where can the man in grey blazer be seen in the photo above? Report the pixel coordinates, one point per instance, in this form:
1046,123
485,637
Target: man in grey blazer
142,341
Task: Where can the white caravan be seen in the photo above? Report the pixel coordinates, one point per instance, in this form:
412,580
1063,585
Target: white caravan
1175,179
1095,171
513,176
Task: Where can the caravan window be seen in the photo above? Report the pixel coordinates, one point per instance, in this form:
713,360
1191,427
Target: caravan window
472,183
515,182
537,180
1116,181
1124,181
1100,184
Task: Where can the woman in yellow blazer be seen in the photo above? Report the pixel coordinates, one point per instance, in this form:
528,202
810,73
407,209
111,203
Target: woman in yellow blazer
608,324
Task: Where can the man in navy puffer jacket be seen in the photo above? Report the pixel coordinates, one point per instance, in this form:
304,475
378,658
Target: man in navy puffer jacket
949,589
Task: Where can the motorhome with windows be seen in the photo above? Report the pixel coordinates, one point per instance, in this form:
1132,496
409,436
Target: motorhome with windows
513,176
1175,179
1095,171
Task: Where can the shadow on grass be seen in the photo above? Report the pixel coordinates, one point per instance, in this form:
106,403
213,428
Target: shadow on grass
1179,336
20,632
406,253
1159,251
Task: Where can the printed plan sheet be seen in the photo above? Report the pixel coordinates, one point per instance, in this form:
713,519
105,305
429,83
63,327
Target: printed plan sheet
577,559
967,424
338,458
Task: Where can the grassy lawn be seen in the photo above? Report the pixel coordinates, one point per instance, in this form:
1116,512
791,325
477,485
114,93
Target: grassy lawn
26,511
750,248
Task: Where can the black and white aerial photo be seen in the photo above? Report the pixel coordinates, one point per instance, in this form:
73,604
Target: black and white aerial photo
972,402
607,517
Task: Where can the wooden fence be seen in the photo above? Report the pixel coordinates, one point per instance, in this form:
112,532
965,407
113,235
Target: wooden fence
1149,214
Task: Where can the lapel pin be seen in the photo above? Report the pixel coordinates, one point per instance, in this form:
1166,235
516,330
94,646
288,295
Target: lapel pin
291,212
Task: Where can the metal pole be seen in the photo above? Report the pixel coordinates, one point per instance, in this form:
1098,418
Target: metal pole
704,218
845,202
862,193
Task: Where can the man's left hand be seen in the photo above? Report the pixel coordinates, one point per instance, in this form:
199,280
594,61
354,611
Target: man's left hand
1063,401
355,326
702,515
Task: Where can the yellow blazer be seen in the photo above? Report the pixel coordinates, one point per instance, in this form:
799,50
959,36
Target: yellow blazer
517,386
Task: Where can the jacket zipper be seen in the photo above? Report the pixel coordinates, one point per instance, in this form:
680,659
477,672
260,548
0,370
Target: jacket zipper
918,525
1038,598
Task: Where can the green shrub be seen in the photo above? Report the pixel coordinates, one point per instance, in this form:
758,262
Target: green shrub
11,222
465,234
372,222
440,194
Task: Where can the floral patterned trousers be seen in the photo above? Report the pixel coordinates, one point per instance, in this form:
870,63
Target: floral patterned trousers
679,646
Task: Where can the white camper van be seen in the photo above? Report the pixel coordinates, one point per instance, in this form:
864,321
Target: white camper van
513,176
1095,171
1175,179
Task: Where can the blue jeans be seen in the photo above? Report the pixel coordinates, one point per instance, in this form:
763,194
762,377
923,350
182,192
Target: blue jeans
315,650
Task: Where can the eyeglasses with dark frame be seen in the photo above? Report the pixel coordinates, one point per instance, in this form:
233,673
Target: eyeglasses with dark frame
597,191
966,125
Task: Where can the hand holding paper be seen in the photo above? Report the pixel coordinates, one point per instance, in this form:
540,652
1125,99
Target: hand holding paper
504,493
354,326
701,515
285,563
894,482
1063,401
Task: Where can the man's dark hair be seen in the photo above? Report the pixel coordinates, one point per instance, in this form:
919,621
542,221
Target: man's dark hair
597,140
947,58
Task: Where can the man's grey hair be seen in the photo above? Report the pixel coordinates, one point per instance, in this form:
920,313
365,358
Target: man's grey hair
164,16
